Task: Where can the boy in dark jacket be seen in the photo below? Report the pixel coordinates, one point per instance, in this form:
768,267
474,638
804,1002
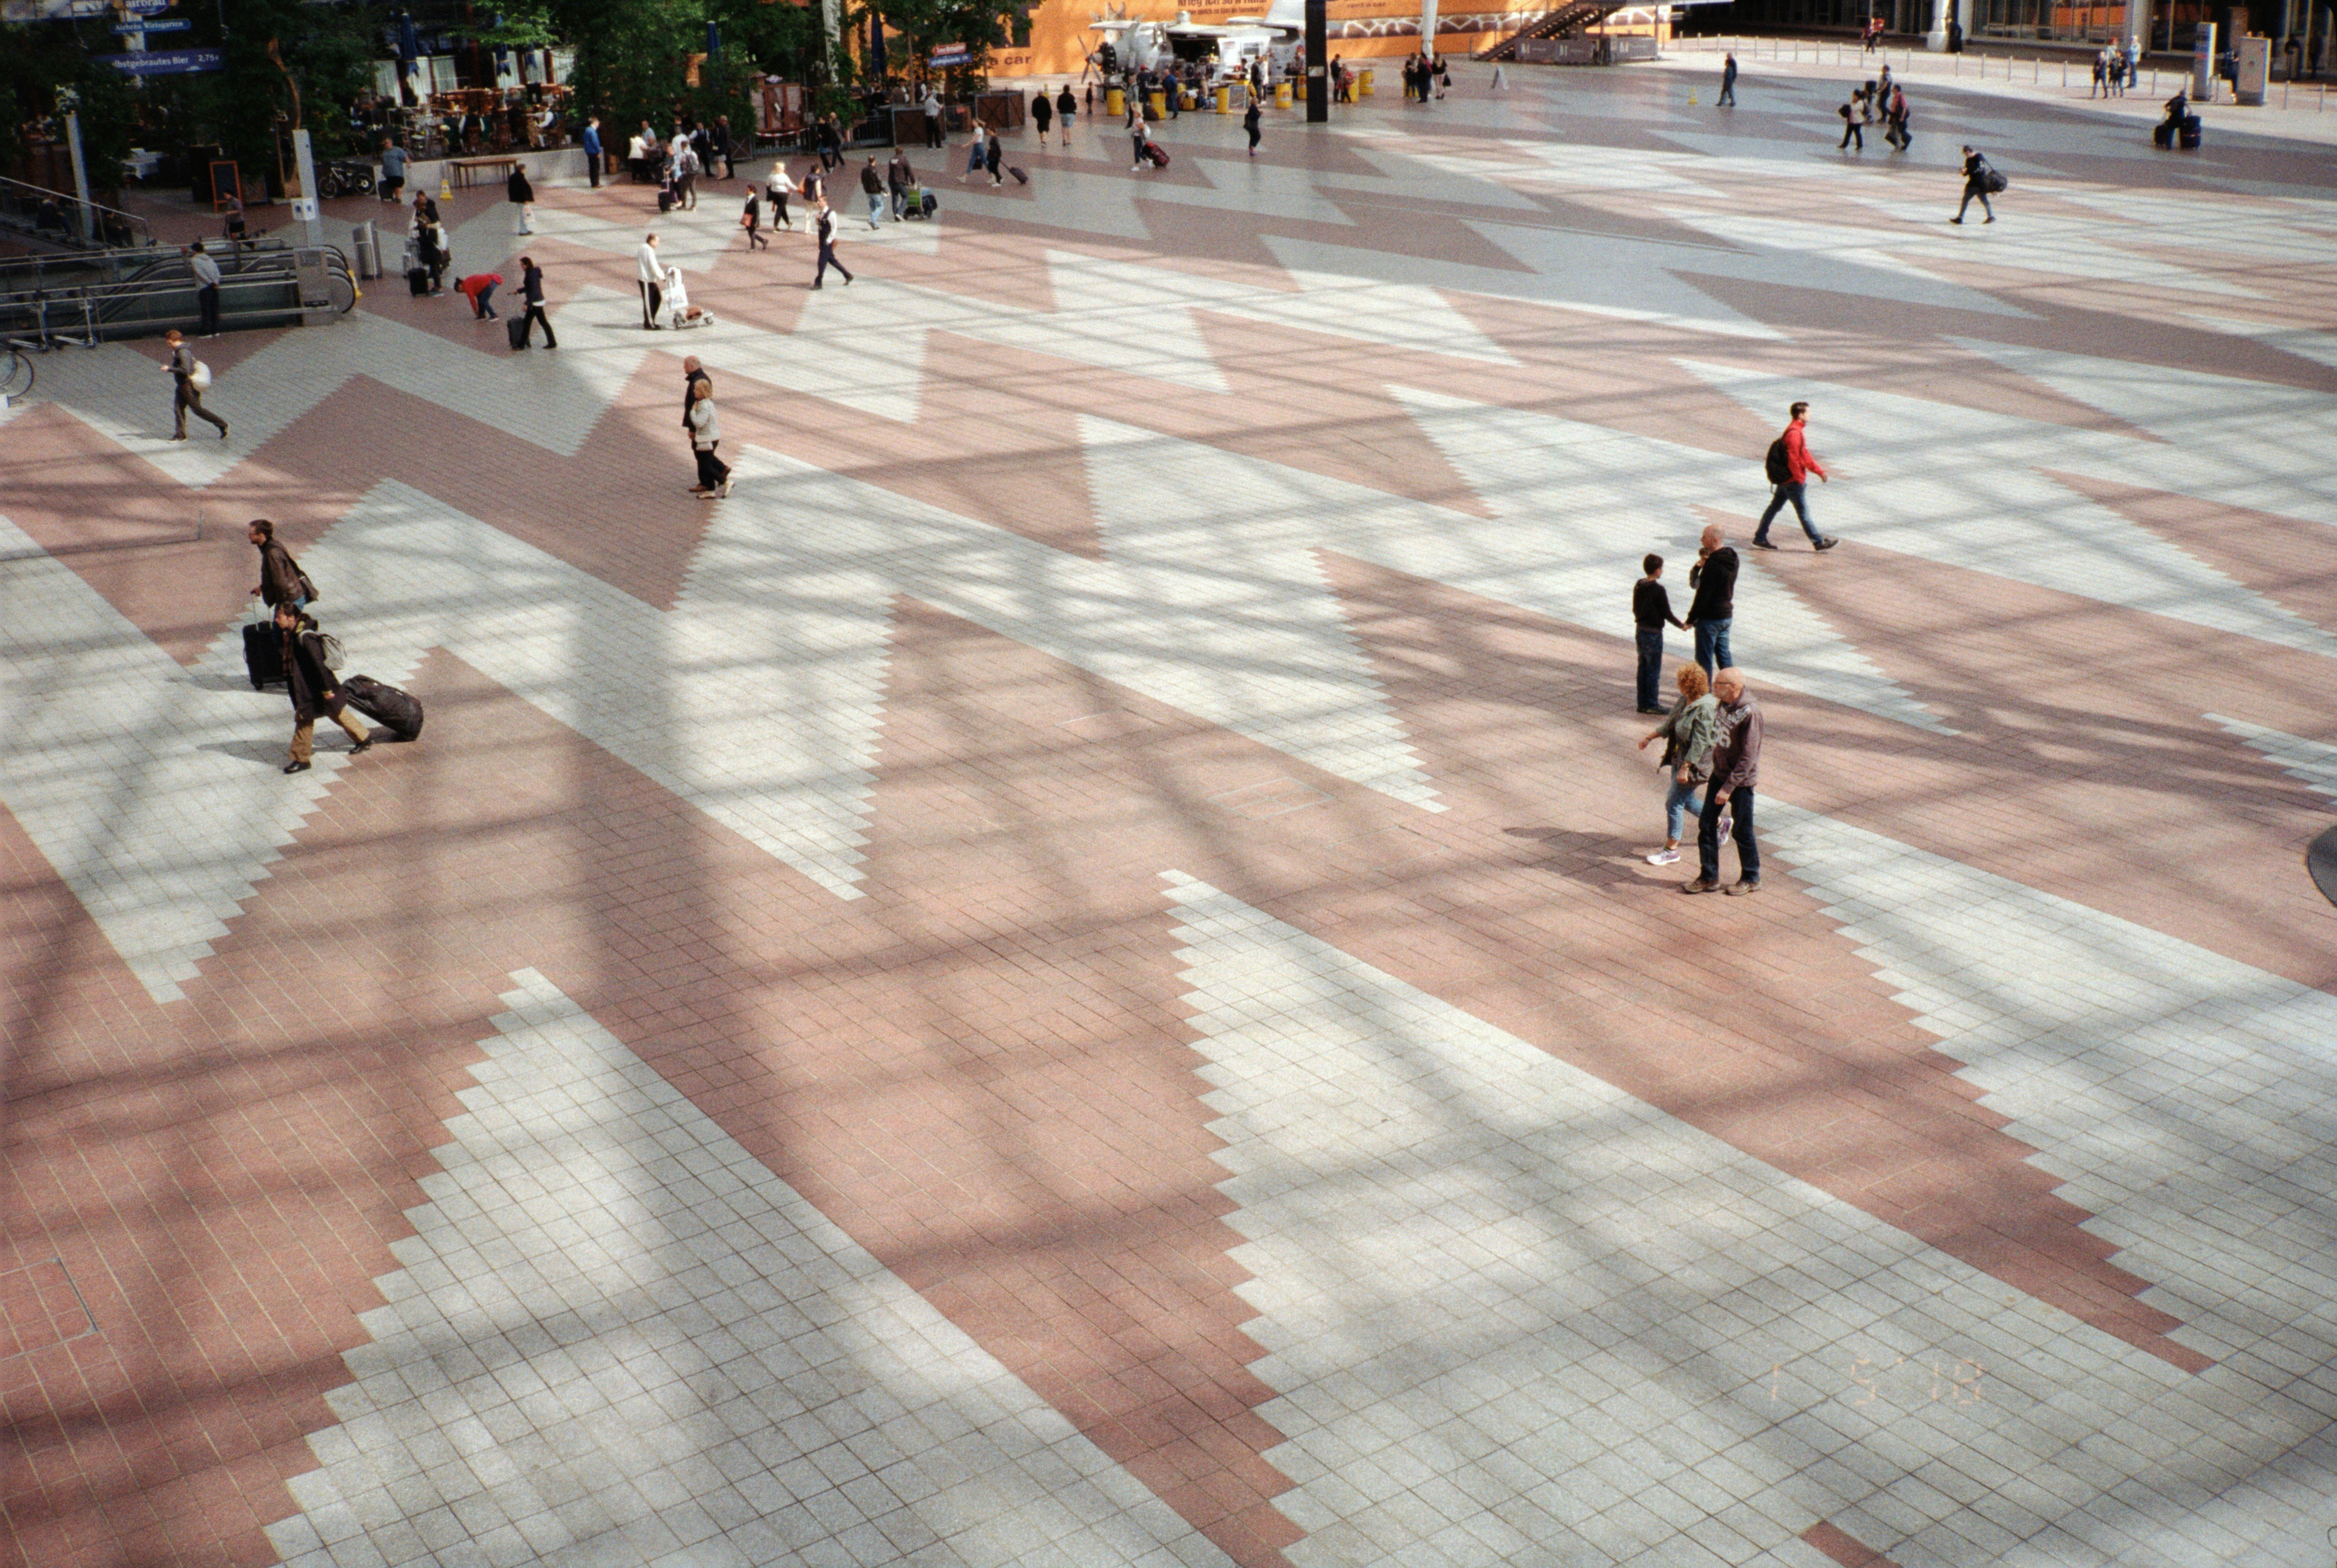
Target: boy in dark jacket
1651,612
313,687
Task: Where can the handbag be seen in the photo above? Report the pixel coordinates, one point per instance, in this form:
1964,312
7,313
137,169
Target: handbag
199,377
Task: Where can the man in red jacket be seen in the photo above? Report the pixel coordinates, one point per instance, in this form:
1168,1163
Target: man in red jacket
1799,466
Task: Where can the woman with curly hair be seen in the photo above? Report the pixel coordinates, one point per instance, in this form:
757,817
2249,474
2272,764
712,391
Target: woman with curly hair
1688,732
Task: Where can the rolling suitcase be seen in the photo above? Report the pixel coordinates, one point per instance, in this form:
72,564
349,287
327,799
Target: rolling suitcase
401,712
417,281
263,654
1157,153
2164,135
665,200
515,329
1020,178
2190,137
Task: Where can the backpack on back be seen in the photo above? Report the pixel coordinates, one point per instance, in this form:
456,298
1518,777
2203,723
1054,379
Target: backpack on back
1780,467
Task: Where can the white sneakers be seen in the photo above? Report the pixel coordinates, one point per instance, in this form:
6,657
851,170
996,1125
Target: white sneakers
1664,858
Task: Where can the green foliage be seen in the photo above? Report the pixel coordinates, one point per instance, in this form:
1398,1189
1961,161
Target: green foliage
325,50
514,23
922,27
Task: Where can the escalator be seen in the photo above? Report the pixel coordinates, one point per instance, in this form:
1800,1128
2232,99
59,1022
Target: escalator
89,297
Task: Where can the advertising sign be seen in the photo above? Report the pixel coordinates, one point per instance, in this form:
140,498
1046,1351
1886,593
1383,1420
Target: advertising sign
166,62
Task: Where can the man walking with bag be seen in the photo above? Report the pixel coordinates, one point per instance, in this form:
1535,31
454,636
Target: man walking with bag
531,288
1791,464
190,376
315,690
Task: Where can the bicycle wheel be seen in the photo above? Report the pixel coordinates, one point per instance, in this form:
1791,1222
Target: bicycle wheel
15,374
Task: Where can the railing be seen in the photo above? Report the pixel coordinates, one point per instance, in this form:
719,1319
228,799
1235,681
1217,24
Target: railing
137,294
40,213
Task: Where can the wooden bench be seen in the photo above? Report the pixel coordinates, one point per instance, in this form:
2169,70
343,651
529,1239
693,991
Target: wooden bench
466,170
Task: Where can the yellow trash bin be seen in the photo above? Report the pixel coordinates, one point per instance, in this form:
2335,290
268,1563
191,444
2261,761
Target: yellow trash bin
1363,85
1159,101
1225,100
1282,94
1114,103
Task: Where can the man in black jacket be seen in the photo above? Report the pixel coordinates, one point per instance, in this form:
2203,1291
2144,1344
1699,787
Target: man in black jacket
1714,578
313,687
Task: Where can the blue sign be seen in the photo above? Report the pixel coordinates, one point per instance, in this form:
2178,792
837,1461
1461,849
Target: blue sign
175,25
166,62
958,57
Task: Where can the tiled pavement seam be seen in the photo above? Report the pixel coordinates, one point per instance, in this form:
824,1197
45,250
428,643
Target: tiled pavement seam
1510,1309
618,1339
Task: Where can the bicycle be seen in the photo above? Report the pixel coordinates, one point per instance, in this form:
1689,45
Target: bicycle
15,374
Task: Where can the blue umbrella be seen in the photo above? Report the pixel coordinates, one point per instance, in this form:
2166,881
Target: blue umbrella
713,39
876,47
410,43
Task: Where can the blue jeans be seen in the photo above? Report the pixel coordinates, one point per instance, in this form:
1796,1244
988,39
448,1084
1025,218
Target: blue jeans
1785,493
1677,797
1739,805
875,208
1651,666
1712,644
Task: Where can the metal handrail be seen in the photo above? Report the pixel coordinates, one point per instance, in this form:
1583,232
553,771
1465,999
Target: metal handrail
260,286
69,220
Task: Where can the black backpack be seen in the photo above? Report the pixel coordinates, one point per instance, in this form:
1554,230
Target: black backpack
1780,467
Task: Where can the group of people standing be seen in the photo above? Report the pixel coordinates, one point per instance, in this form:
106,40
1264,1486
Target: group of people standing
2115,69
1425,76
1881,98
1712,731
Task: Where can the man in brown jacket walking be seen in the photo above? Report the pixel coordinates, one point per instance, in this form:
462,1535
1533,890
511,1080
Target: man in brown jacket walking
313,687
281,581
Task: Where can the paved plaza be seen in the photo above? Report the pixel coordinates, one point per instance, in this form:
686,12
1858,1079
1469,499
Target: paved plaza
1068,976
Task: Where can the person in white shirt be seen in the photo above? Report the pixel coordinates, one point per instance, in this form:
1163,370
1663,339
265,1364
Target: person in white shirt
650,273
207,289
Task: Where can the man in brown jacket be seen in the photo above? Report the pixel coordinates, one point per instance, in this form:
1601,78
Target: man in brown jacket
1736,769
281,581
313,687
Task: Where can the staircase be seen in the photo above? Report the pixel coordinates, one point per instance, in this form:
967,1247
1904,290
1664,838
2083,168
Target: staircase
1568,18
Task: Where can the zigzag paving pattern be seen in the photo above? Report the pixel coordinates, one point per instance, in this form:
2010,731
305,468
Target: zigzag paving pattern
1068,975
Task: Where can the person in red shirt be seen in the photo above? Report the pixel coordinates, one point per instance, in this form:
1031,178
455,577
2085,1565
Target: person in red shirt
1800,463
479,288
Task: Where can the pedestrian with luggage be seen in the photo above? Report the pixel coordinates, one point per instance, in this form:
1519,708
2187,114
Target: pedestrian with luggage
975,160
1713,611
1735,767
824,225
1895,128
281,581
521,195
1042,113
649,273
993,151
750,219
901,181
1141,136
530,288
314,688
206,273
777,188
1851,128
705,435
1790,465
189,376
1687,733
1979,180
1651,612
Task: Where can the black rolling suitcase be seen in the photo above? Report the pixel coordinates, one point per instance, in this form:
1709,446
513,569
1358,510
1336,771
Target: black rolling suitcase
1020,177
417,281
400,711
2163,134
2189,140
263,653
515,329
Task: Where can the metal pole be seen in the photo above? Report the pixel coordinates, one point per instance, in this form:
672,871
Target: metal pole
305,206
80,171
